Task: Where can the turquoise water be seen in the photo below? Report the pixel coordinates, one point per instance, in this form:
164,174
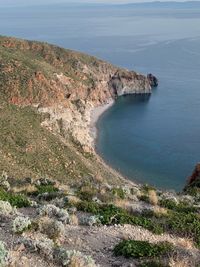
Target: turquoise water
152,140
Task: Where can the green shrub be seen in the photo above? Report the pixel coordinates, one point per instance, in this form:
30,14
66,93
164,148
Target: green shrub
87,193
91,207
16,200
180,207
144,198
184,224
139,249
146,188
110,214
41,189
118,192
193,191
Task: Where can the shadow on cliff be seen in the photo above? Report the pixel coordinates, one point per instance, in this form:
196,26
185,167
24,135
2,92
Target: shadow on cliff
136,99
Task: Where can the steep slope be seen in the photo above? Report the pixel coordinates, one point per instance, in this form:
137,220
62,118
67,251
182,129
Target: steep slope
44,86
64,83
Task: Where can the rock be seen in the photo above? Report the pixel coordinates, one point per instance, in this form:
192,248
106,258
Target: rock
45,181
193,180
187,199
152,80
129,82
170,196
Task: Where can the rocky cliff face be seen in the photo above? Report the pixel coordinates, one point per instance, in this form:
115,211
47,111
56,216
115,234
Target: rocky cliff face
194,180
129,82
63,83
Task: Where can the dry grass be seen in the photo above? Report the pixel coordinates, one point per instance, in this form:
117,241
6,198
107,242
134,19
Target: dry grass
29,188
159,211
73,200
63,187
186,243
74,220
178,261
77,262
153,198
122,203
51,228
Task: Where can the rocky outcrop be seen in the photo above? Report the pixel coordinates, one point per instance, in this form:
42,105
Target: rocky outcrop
129,82
194,179
152,80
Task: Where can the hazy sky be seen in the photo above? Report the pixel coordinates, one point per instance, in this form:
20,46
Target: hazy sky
27,2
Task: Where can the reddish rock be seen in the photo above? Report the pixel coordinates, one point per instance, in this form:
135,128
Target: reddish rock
195,177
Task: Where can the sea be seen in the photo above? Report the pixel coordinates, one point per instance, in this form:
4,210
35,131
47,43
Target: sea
149,139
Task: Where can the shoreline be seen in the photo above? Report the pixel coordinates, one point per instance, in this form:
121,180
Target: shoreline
95,115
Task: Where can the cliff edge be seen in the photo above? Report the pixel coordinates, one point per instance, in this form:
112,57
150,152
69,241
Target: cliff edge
63,83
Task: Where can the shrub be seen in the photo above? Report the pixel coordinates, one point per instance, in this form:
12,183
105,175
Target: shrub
41,189
5,208
144,198
16,200
4,181
184,224
87,193
52,228
87,206
179,207
139,249
146,188
54,212
3,254
43,246
110,214
91,220
74,220
21,224
118,192
72,258
153,198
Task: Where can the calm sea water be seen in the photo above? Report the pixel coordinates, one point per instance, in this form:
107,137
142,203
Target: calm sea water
152,140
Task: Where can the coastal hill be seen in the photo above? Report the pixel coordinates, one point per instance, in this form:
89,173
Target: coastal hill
47,95
60,204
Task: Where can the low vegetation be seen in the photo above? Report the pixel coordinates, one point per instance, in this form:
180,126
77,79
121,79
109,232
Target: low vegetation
16,200
3,254
140,249
110,215
21,224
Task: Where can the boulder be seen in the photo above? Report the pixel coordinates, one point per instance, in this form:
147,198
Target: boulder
152,80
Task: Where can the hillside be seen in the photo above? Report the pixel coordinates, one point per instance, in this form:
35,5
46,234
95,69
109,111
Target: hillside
60,204
46,97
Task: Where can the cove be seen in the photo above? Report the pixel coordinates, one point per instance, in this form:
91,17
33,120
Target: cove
155,139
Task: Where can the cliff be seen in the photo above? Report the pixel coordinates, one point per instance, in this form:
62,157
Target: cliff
63,83
193,184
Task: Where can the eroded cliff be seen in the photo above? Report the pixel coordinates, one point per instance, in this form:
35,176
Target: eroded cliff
63,83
